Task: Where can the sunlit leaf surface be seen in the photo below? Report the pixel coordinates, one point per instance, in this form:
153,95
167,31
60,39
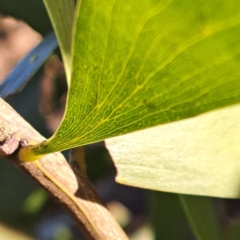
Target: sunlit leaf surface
138,64
199,155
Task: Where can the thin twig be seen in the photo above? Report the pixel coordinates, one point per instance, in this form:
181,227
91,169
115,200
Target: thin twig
72,191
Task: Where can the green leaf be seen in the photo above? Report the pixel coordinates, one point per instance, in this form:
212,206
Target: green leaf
140,64
201,216
61,13
167,217
199,155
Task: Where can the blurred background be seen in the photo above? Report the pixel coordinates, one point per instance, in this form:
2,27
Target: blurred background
26,210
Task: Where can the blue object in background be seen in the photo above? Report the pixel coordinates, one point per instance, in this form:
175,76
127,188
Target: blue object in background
28,66
15,186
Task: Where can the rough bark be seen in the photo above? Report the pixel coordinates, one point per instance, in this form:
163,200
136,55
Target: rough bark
73,191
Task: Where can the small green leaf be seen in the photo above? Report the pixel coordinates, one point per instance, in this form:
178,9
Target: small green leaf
61,13
138,64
